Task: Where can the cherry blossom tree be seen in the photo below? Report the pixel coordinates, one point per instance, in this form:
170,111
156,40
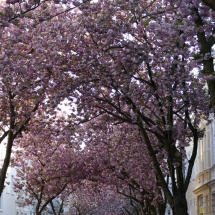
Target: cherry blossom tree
136,63
14,10
44,165
129,167
29,78
50,164
132,61
32,67
93,199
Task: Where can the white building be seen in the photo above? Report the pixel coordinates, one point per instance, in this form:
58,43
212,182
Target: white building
201,191
9,204
7,200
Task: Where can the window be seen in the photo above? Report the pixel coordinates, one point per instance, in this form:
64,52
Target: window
201,205
206,204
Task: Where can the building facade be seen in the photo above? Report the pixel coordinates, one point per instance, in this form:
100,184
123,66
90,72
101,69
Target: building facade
8,197
10,204
201,191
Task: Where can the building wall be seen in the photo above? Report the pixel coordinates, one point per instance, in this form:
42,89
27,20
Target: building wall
191,198
201,192
8,197
7,200
9,205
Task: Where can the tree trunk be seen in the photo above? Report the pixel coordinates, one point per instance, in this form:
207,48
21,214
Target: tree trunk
161,209
180,205
211,86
